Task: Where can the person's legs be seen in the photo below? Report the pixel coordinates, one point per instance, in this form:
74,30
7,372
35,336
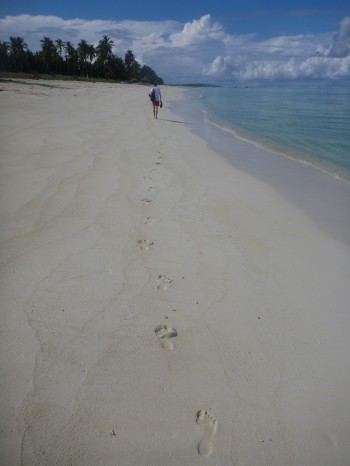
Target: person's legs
155,108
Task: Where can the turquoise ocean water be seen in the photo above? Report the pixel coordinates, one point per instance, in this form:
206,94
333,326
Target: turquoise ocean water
306,121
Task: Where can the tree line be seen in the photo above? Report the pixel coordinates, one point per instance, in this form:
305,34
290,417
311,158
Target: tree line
62,58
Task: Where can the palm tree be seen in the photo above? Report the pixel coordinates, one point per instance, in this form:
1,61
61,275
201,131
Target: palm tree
4,55
15,56
48,53
91,54
69,54
59,49
104,49
17,49
83,54
132,67
104,53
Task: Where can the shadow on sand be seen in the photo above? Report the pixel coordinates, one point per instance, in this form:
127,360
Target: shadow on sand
31,83
172,121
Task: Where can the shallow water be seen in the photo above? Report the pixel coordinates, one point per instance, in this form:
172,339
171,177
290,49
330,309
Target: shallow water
310,122
316,183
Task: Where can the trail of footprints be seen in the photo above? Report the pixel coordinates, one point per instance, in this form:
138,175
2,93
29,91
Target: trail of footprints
165,334
208,423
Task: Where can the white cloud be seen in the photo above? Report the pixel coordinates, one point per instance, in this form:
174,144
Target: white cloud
200,49
287,57
341,43
197,32
311,68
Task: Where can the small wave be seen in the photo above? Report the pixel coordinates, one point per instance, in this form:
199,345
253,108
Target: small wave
309,125
289,154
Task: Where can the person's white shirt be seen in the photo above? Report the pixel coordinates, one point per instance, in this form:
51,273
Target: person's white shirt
157,94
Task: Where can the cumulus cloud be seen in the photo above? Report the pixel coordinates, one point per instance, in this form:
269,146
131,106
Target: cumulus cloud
341,42
200,49
287,57
198,32
310,68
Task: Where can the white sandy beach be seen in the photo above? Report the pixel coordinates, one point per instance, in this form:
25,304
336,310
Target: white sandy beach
159,306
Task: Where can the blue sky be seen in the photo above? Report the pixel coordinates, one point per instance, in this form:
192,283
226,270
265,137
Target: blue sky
200,40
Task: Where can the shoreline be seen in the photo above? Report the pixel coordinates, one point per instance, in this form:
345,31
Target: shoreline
324,196
159,304
256,137
303,159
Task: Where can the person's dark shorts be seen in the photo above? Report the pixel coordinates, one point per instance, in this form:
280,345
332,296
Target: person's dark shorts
155,103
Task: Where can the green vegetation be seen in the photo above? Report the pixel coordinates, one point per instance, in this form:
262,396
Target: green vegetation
61,60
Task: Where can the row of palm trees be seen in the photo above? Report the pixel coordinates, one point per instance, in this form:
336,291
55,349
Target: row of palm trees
86,60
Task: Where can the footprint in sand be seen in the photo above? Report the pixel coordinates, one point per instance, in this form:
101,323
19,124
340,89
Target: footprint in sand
163,282
150,220
145,244
146,201
209,425
164,332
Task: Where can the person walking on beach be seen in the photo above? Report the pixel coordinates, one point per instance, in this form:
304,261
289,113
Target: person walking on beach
156,98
